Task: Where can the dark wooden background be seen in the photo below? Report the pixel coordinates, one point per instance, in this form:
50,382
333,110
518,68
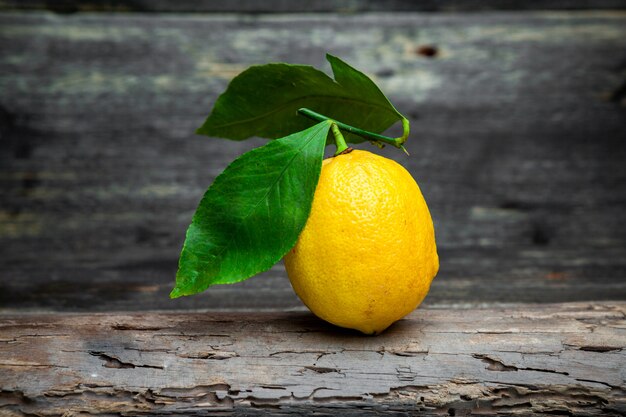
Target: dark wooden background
518,141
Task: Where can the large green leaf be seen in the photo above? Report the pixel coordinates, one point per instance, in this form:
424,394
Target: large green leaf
253,213
263,101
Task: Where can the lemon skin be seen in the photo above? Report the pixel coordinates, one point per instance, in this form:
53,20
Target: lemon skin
367,255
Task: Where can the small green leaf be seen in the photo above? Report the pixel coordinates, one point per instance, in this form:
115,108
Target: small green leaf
263,101
253,213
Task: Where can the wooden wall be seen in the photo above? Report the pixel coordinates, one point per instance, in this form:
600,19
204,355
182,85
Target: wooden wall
518,143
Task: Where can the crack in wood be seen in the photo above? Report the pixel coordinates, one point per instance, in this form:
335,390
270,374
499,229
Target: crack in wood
322,370
130,326
276,387
498,365
214,355
113,362
593,381
320,353
601,349
406,353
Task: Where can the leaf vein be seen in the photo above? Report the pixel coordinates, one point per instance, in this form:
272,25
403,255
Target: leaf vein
264,198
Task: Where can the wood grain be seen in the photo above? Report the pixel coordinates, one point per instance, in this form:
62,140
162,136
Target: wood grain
540,360
518,145
311,6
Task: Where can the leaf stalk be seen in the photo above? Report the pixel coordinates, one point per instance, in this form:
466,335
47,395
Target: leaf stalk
340,141
397,142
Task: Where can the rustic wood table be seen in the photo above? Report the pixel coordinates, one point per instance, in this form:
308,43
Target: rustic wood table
518,143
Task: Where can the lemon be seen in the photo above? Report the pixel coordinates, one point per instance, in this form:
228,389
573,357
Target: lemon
367,254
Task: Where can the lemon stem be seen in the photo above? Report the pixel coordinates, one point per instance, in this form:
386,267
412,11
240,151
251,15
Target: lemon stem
339,139
397,142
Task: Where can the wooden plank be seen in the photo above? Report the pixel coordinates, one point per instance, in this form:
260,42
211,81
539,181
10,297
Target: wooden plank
518,146
555,359
279,6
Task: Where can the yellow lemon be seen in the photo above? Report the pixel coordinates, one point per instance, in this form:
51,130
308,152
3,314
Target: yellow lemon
367,254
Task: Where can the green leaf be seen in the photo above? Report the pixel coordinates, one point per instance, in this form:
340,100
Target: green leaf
263,101
253,213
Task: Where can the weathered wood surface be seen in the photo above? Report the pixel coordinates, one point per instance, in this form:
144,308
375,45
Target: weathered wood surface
519,146
281,6
541,360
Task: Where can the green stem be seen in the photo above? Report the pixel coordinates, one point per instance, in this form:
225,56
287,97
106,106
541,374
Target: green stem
397,142
339,139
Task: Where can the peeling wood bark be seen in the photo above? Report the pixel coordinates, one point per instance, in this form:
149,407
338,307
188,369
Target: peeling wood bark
555,359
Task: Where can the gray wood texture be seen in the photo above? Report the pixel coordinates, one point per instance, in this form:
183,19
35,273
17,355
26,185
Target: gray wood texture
565,359
282,6
518,144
